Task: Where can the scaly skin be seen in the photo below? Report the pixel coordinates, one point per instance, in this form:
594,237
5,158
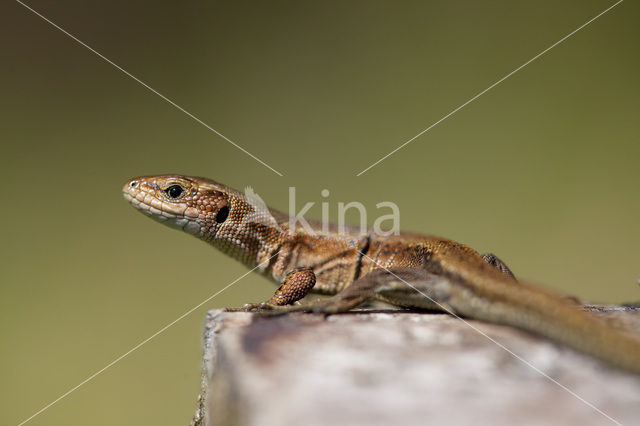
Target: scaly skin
408,270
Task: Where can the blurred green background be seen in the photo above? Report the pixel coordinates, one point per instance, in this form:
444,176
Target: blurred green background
542,170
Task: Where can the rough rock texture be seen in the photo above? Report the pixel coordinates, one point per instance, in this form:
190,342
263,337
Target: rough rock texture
395,367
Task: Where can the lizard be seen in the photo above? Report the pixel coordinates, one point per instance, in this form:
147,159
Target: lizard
406,270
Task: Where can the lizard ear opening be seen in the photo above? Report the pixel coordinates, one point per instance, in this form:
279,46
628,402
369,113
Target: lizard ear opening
222,215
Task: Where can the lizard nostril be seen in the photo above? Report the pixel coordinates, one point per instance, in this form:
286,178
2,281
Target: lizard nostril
133,184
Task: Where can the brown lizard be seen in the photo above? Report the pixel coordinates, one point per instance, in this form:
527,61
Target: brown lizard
406,270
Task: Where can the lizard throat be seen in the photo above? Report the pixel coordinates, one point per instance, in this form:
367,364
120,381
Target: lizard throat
169,215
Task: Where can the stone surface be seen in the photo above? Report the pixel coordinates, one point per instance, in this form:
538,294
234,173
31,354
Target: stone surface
395,367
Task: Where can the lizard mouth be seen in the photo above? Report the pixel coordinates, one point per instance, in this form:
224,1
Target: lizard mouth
142,196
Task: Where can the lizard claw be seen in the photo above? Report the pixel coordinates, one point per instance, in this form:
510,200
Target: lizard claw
258,307
252,307
268,309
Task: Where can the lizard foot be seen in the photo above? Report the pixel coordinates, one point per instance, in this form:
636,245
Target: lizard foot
259,307
252,307
327,307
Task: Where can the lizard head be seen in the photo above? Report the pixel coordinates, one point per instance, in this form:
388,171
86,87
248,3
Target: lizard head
239,225
196,205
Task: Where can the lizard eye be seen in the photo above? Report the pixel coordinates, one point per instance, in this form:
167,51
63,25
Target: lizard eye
174,191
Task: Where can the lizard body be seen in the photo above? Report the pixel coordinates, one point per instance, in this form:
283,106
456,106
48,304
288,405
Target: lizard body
407,270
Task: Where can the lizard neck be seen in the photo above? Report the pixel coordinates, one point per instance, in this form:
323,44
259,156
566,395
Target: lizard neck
252,234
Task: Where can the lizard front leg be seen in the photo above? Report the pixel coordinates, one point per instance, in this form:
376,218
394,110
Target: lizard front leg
296,285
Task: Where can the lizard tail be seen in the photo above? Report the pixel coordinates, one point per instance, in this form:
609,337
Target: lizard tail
496,298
